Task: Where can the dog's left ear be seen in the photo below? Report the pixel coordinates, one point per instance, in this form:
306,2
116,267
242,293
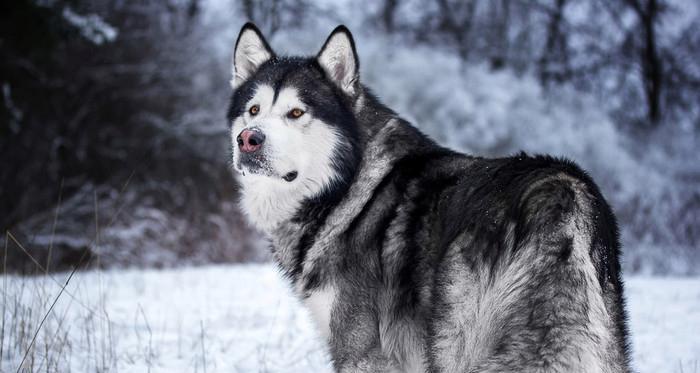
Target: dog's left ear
339,60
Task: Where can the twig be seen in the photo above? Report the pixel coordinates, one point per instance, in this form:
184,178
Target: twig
150,338
46,315
4,300
201,337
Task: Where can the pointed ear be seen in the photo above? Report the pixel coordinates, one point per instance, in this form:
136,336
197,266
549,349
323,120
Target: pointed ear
250,52
339,60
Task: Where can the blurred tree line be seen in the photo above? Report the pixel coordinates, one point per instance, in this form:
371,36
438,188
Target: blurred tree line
113,139
113,142
628,50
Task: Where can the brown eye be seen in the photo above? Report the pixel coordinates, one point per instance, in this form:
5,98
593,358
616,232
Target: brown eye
295,113
254,110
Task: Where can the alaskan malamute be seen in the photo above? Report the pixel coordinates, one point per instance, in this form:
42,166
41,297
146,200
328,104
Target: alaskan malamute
412,257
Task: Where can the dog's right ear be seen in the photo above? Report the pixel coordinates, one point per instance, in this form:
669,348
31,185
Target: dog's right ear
339,60
250,52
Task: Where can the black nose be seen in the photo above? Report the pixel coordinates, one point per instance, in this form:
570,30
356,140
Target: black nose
250,140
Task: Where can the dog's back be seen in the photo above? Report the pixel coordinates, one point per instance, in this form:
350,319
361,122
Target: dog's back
474,264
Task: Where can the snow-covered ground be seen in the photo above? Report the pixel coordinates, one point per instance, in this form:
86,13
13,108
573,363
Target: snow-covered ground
244,319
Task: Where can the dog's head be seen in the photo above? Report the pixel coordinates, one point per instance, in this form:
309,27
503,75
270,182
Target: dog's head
293,129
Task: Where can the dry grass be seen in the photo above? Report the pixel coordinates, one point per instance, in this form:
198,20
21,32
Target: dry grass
35,335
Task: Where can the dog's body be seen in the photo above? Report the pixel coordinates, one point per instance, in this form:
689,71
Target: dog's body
409,256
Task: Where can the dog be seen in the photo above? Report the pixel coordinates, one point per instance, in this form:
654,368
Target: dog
409,256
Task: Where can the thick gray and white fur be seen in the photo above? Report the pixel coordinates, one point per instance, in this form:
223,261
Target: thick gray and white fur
411,257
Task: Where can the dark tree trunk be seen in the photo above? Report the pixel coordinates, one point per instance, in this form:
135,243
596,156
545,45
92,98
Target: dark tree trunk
457,20
500,15
388,15
554,61
650,62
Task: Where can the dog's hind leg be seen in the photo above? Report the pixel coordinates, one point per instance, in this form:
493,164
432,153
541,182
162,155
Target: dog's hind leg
539,317
355,344
558,323
542,307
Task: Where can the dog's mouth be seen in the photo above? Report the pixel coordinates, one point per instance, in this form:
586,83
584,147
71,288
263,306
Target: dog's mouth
290,176
258,165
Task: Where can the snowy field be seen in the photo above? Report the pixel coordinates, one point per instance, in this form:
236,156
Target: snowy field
244,319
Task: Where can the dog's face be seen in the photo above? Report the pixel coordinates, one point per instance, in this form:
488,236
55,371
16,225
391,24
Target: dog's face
293,129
